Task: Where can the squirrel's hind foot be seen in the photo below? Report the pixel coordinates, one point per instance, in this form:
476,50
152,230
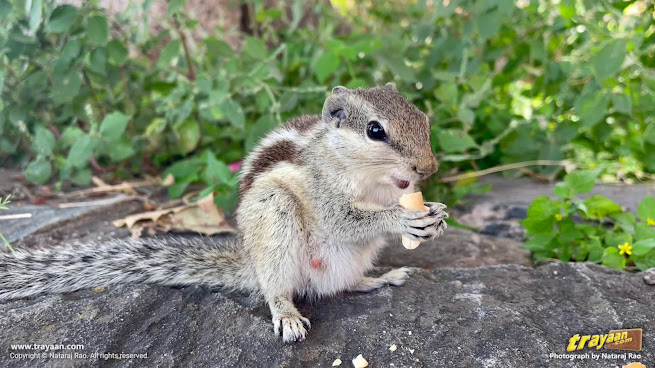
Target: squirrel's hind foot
287,321
395,277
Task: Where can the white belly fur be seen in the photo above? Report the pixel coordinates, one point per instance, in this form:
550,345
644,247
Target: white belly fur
341,265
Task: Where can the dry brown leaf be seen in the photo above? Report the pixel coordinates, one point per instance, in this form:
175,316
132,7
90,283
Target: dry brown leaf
168,181
202,217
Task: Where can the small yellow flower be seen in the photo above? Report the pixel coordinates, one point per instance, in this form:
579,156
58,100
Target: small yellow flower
558,217
592,165
622,159
552,126
650,221
625,248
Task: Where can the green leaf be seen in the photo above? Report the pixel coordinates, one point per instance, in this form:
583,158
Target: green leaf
466,116
177,190
488,24
625,221
608,60
97,30
98,60
175,6
649,133
169,53
155,128
599,206
568,232
189,135
539,242
62,19
216,171
36,12
218,48
80,152
595,250
256,48
614,239
567,9
184,169
118,150
70,135
622,103
541,215
234,113
6,11
117,53
397,65
264,124
621,5
646,209
582,181
447,93
44,140
563,190
644,231
642,247
591,107
612,259
39,171
66,87
326,64
113,126
644,262
81,177
453,140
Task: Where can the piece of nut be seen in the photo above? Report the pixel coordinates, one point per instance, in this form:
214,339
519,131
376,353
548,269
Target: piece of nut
393,347
337,362
412,201
360,362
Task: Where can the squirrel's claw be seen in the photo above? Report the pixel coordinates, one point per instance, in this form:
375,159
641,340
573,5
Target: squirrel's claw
292,328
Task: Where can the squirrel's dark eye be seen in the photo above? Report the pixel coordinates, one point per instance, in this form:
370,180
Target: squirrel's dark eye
375,131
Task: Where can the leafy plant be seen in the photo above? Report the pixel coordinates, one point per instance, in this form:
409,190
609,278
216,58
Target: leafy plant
594,229
3,206
502,81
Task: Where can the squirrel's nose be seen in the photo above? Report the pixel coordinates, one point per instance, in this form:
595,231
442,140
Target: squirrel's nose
428,169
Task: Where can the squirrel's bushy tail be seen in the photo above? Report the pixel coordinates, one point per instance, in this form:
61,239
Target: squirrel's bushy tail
161,261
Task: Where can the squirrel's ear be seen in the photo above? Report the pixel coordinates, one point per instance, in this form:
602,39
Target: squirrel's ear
391,86
340,90
334,109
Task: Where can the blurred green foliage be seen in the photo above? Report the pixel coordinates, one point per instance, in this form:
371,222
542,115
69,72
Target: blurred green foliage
501,80
594,229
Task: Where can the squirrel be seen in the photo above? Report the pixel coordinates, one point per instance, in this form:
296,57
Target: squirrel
318,195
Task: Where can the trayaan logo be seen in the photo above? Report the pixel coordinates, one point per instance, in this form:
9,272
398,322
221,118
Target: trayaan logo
616,340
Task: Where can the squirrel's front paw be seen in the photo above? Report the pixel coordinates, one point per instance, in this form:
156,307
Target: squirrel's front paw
417,225
437,210
293,327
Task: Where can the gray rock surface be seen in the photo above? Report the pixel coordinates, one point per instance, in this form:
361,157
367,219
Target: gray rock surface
44,217
456,248
490,311
499,316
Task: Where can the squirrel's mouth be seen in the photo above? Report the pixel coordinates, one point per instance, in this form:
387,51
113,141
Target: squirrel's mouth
402,184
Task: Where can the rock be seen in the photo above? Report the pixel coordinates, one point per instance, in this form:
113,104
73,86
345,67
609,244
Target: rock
649,276
44,218
456,248
498,316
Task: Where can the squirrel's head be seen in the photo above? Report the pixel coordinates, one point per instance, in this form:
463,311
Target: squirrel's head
381,133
